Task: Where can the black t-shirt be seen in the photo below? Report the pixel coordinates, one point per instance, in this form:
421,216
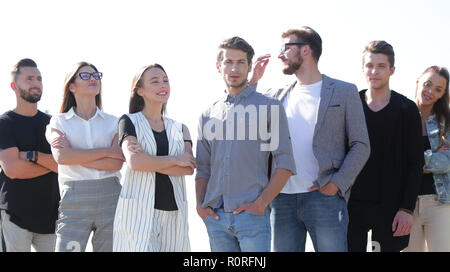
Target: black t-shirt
391,176
32,203
164,195
427,185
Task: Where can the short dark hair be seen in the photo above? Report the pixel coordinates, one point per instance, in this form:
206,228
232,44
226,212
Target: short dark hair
309,36
381,47
22,63
236,43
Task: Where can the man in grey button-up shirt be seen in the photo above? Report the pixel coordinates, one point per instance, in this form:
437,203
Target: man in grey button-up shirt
236,135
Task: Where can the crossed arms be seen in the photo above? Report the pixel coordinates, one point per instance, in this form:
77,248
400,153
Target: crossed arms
16,166
138,160
109,158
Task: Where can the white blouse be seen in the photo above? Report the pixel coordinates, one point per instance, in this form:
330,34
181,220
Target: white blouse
97,132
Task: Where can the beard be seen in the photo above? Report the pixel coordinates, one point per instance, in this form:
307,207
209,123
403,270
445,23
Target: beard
293,66
235,85
27,96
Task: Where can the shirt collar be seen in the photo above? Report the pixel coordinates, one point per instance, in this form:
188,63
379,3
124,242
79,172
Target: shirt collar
242,94
71,113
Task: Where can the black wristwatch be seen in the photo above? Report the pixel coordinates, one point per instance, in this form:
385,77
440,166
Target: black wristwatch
32,156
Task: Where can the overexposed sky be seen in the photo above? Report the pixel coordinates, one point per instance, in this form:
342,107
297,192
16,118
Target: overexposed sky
121,36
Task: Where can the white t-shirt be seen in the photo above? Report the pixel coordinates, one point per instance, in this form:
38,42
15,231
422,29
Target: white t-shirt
97,132
302,106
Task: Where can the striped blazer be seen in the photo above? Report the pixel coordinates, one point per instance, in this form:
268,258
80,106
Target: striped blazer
133,221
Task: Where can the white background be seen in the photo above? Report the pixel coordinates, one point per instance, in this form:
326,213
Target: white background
119,37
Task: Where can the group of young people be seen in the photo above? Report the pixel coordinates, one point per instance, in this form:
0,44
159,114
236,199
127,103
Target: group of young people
316,157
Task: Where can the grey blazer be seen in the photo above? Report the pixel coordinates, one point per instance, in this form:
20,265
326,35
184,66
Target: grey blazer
341,142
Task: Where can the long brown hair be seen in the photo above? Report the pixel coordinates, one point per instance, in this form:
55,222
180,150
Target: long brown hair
441,106
137,102
68,97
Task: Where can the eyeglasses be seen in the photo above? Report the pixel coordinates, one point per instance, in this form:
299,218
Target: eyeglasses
87,76
284,49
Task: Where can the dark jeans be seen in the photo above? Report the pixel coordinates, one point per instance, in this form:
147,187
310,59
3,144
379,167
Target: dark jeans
367,216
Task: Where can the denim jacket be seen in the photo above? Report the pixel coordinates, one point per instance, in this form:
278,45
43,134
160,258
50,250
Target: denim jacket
438,163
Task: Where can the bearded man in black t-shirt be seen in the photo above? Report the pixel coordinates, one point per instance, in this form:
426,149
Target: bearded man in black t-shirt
29,192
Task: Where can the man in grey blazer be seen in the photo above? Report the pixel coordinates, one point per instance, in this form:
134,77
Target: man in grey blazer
330,143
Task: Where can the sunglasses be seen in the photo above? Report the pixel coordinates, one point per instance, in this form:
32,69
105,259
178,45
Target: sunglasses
284,46
87,76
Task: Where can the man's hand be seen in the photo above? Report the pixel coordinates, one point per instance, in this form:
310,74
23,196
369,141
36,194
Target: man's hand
254,207
402,223
329,189
259,68
205,212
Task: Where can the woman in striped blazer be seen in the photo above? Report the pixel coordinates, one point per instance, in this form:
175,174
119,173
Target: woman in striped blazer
151,214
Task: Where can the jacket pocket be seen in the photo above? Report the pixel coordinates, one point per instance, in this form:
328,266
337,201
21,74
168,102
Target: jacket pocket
126,215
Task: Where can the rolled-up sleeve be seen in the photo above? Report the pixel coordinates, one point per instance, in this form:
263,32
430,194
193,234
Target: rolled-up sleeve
437,162
203,153
282,154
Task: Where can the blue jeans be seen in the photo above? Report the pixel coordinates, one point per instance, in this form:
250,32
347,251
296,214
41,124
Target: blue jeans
324,217
244,232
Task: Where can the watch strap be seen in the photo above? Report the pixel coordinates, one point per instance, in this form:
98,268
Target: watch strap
35,157
30,155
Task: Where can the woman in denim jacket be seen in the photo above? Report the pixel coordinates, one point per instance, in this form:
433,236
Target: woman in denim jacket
431,222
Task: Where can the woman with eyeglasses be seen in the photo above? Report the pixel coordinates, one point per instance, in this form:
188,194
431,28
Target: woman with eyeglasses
151,215
431,221
84,143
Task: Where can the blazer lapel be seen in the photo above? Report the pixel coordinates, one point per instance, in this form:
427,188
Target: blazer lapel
325,96
282,94
169,131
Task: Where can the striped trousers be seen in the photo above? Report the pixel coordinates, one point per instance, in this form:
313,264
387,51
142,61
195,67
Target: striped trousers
164,230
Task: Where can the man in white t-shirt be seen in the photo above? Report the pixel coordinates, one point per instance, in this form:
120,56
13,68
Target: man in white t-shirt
330,145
